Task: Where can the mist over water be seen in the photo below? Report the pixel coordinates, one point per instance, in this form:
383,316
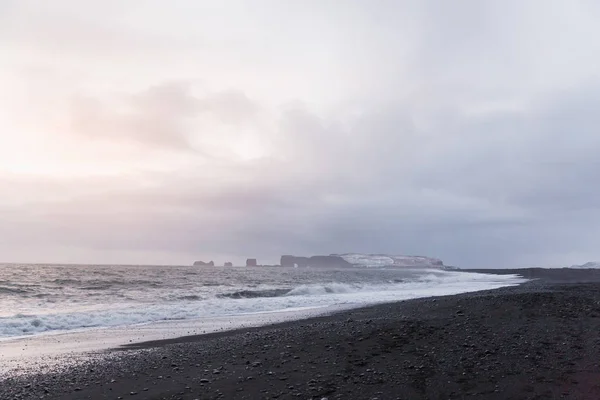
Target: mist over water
36,299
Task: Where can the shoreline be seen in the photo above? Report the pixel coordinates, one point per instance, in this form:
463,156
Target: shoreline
332,314
64,344
535,340
27,349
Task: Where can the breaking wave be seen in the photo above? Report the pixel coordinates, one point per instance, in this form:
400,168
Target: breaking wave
252,294
12,290
324,289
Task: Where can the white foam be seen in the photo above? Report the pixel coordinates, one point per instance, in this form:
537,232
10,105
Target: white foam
324,289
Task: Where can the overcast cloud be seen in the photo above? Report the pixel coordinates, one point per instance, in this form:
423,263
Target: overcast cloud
147,132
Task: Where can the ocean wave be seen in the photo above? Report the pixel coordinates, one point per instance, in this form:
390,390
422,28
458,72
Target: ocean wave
66,281
96,287
308,290
12,290
251,294
324,289
190,297
99,284
302,290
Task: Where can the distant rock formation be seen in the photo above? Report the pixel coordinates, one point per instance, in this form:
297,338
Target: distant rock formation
228,264
293,261
386,260
251,262
202,263
360,260
328,261
314,261
587,265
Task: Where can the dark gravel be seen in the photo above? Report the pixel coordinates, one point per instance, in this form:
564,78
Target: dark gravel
540,340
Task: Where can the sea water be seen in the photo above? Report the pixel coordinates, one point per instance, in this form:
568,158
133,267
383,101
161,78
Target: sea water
43,299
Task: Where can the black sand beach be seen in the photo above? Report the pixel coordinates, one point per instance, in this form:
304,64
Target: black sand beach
540,340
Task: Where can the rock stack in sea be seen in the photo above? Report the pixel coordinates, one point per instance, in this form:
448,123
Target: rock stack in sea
202,263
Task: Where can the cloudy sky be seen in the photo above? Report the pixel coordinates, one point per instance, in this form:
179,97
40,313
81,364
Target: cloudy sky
147,131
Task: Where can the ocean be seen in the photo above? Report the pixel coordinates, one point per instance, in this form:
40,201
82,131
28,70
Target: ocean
46,299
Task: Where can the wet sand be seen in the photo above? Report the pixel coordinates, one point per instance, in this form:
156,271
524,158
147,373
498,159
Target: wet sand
538,340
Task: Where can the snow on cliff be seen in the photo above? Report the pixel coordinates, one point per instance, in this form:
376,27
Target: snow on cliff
588,265
384,260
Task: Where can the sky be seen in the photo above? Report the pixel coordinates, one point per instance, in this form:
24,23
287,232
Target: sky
154,132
